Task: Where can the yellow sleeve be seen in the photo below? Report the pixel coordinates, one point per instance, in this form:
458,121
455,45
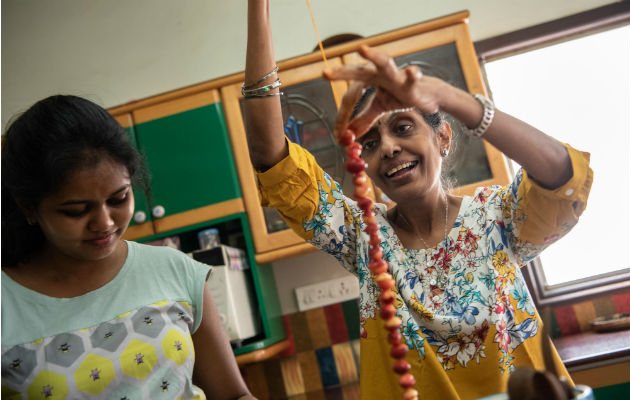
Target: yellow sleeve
545,215
292,187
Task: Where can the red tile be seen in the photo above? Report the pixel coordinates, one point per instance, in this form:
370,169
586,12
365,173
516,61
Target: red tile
567,321
336,323
290,350
622,302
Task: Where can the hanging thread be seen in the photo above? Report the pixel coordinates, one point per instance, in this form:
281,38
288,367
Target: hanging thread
321,47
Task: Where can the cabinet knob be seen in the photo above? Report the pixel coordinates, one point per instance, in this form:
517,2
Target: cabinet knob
158,212
139,217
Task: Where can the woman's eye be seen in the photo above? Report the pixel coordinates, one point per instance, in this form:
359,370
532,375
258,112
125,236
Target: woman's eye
402,128
368,145
118,200
73,213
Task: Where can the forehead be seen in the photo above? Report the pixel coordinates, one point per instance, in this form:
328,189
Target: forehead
94,181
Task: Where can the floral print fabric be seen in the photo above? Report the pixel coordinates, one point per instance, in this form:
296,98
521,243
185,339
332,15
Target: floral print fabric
465,297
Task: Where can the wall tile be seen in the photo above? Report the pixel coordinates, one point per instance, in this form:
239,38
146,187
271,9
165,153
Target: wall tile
604,306
351,314
301,332
567,321
585,313
327,366
336,323
346,366
318,327
310,371
351,392
254,375
292,376
622,302
275,382
290,350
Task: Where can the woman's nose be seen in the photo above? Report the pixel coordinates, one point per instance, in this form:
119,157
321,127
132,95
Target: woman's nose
389,147
102,220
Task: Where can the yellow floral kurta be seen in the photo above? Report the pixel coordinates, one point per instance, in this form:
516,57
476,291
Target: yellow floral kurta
466,314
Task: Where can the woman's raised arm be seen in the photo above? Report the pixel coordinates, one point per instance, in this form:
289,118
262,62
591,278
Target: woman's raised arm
263,113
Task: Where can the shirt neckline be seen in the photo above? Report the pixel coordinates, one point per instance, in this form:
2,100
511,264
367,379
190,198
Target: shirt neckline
466,200
38,297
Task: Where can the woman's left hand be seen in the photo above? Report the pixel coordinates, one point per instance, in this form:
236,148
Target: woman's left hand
396,89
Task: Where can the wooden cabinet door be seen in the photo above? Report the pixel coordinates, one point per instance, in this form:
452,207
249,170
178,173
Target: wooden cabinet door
448,53
187,150
310,101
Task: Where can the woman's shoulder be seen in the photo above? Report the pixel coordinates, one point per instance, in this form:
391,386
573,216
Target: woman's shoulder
156,256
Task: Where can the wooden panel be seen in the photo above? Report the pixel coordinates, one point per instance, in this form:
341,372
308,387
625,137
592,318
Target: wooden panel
176,106
139,231
262,354
201,214
285,252
124,120
603,376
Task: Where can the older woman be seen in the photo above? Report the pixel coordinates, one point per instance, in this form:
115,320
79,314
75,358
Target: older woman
466,314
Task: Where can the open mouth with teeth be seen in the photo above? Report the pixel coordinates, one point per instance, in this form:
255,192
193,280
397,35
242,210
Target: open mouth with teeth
399,169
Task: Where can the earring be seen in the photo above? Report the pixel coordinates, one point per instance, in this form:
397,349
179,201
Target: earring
30,221
444,152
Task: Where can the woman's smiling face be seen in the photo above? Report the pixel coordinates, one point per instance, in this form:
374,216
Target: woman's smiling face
403,154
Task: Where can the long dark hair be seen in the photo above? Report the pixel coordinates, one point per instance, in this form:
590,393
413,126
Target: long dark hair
42,147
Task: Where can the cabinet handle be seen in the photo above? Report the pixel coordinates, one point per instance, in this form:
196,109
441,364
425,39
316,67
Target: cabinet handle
139,217
158,212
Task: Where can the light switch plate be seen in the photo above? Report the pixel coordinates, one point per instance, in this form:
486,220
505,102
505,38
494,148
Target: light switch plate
328,292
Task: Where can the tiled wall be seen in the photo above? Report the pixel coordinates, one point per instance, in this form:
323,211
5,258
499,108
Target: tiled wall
322,361
575,318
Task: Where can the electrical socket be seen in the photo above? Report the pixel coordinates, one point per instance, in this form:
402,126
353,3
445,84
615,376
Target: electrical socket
328,292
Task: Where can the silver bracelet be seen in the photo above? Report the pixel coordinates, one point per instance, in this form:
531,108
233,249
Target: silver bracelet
261,90
261,80
259,96
486,120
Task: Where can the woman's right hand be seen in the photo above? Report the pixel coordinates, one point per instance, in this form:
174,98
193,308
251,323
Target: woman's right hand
396,90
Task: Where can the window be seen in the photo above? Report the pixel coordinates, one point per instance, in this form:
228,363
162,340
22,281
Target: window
578,91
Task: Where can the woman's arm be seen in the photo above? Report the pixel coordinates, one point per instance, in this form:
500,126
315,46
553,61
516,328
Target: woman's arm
263,115
543,157
216,371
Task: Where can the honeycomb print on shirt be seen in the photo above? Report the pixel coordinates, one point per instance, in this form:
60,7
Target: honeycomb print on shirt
143,354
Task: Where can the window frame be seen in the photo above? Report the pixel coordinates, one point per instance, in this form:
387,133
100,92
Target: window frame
546,34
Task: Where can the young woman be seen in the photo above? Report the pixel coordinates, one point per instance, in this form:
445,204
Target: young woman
466,314
85,313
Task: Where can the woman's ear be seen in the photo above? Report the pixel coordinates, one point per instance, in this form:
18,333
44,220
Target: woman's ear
29,212
445,134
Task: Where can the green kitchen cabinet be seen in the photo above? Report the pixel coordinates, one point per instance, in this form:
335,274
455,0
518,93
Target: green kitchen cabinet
187,151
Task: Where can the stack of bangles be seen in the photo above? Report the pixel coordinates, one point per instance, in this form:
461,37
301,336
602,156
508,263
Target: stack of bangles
251,91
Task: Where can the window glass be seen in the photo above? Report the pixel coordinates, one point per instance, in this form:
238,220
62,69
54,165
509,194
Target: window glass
578,92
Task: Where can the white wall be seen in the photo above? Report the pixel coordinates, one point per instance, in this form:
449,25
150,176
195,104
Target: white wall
115,51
